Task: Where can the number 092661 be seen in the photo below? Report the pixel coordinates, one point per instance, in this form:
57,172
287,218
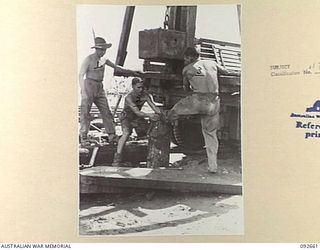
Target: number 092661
309,246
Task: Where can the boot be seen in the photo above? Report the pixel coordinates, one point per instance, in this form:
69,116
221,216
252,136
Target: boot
116,160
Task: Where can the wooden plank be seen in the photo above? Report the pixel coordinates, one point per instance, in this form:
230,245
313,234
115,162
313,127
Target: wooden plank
205,40
95,109
154,67
221,57
149,65
205,50
232,63
233,56
226,59
208,56
232,59
230,66
233,68
236,63
230,52
229,49
162,76
236,68
216,55
164,179
133,152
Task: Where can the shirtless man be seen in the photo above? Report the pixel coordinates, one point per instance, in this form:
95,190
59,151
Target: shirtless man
132,116
92,89
200,78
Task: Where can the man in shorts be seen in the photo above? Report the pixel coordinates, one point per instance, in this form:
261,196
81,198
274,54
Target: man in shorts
132,116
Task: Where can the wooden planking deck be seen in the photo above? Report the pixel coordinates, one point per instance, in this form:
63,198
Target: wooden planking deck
98,179
135,151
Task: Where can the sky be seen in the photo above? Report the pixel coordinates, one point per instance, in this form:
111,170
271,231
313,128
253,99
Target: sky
218,22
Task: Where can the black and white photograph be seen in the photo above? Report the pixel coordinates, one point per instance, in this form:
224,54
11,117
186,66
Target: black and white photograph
159,114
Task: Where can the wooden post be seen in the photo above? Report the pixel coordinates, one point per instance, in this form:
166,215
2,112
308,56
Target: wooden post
183,18
188,23
159,144
124,38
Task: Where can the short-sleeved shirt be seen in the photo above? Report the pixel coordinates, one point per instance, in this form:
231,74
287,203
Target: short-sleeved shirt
202,76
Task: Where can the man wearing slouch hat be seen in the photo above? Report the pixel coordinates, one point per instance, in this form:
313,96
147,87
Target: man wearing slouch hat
90,78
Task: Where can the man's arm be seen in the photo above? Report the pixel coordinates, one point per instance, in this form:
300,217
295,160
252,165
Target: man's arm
123,70
153,106
185,80
82,73
222,70
138,112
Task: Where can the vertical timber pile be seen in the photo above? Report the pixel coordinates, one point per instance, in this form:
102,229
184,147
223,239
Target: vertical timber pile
182,19
159,144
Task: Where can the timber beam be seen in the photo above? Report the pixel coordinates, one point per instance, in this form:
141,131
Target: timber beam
97,178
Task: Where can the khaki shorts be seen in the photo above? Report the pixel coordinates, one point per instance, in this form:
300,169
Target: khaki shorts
140,125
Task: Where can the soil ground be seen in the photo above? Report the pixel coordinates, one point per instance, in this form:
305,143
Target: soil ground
161,213
149,212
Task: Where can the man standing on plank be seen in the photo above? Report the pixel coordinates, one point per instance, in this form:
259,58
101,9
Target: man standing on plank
90,79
